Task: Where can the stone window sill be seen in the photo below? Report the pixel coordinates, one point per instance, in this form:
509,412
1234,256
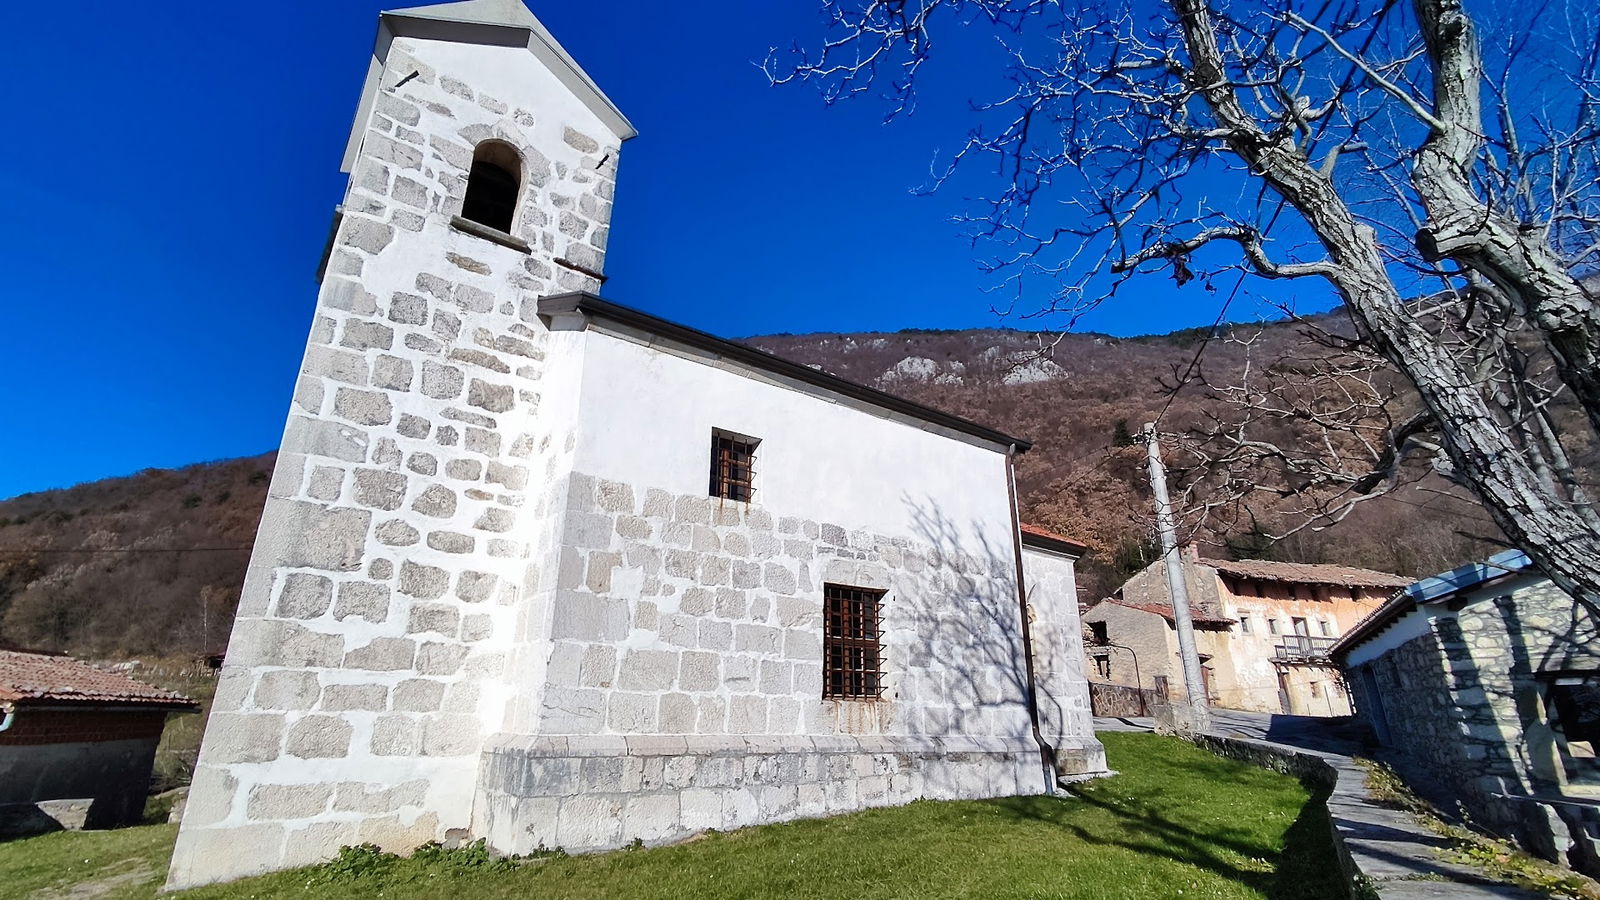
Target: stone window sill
493,235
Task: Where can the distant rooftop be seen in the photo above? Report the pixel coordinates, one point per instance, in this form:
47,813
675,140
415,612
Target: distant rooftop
1432,590
32,677
1306,573
1197,615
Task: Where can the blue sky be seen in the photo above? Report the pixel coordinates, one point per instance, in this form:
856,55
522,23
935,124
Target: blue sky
171,170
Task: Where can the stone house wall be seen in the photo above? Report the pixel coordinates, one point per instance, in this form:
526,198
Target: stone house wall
1460,693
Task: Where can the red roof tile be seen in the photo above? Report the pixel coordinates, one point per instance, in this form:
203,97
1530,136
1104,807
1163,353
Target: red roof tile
29,677
1045,537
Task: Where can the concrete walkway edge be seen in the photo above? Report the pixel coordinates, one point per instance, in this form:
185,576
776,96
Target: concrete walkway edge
1385,852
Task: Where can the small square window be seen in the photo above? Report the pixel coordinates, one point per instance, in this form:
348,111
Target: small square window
733,459
851,643
1326,626
1273,626
1244,625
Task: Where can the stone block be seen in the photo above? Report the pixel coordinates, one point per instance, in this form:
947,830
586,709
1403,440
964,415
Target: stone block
572,711
590,822
378,489
475,587
423,582
336,365
397,533
450,542
747,714
698,671
363,334
496,398
778,579
395,736
210,798
598,666
436,658
273,642
270,802
450,735
441,382
434,618
384,654
352,796
363,407
598,572
407,309
311,536
648,670
347,697
287,689
757,639
437,501
714,635
362,599
676,714
494,519
242,738
586,617
650,817
631,713
392,373
319,737
304,596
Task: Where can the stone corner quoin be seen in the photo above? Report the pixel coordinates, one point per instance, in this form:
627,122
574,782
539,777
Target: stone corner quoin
490,596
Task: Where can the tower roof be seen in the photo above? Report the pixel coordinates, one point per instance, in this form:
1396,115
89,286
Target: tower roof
491,22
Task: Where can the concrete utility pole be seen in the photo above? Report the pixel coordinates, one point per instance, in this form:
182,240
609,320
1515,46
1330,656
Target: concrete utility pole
1199,714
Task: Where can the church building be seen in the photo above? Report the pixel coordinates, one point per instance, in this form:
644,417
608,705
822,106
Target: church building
540,568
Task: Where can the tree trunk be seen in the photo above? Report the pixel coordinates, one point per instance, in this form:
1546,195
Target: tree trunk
1536,520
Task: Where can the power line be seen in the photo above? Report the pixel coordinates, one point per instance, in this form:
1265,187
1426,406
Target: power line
4,550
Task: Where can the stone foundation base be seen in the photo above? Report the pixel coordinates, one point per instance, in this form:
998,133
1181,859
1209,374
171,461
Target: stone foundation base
587,793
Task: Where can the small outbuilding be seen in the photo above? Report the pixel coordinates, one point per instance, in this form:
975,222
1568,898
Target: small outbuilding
70,731
1487,677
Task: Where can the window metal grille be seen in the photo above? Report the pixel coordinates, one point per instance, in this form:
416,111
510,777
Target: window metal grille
852,643
732,467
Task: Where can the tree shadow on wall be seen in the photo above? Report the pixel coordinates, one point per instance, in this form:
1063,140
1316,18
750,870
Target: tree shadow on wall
963,614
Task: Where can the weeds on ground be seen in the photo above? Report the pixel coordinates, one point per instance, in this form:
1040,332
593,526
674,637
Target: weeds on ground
1500,859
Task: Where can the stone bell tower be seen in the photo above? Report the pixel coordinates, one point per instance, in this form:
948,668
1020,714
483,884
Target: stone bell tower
380,629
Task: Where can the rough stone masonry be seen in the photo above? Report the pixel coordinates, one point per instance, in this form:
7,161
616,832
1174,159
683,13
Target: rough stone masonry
450,628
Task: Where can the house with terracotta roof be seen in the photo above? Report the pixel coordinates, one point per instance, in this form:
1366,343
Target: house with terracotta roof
1263,630
70,731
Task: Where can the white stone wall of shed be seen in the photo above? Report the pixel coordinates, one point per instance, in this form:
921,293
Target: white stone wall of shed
381,605
1056,633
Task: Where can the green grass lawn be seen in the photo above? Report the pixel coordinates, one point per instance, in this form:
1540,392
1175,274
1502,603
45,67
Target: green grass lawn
1177,821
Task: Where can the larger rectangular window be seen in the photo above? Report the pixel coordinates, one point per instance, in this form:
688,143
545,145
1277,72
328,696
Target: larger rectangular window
733,460
852,647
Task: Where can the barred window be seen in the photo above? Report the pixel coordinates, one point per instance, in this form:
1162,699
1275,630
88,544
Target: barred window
852,643
733,461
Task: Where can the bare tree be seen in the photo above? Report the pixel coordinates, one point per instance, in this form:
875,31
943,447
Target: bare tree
1441,182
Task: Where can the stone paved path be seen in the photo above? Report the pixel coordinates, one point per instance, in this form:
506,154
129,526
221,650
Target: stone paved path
1398,854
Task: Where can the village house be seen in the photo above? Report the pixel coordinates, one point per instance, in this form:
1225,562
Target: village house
1262,629
72,732
1488,678
540,568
